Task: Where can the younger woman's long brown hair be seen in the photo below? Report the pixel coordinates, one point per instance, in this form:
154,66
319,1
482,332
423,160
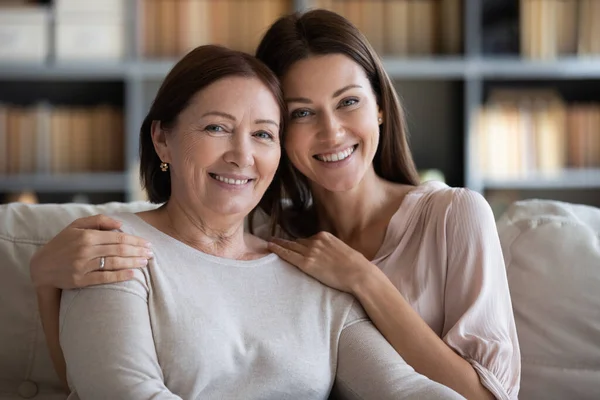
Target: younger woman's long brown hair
319,32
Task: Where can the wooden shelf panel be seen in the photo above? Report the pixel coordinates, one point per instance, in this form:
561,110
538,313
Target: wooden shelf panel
568,179
77,182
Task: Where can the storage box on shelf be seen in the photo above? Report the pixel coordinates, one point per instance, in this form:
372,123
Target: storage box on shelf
24,33
90,30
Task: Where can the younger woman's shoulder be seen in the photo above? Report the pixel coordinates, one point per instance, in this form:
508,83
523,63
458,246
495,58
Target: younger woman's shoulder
443,196
440,198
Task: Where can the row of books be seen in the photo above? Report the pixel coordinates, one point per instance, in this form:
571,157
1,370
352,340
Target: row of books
535,133
394,27
173,27
55,140
553,28
405,27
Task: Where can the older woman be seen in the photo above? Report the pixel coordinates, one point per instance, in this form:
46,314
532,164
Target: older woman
215,315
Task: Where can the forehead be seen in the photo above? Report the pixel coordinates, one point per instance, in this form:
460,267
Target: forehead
322,73
235,94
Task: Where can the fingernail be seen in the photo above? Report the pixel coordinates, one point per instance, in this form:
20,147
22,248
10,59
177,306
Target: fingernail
150,253
148,244
142,262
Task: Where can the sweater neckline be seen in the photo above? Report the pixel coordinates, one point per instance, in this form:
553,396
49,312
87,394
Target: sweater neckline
171,241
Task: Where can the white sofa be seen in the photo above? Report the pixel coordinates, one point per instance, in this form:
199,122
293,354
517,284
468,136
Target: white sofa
553,262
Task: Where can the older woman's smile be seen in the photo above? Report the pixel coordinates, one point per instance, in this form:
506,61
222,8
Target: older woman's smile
231,179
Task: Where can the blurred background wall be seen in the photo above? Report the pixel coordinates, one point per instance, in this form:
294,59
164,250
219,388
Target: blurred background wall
501,96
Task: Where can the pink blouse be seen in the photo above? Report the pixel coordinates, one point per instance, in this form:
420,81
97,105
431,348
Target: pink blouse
442,251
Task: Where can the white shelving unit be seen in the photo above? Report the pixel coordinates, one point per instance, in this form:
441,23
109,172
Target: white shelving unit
469,72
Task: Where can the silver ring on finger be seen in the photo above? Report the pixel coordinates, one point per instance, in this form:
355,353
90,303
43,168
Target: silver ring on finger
102,262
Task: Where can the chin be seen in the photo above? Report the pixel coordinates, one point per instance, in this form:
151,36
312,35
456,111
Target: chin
339,186
232,209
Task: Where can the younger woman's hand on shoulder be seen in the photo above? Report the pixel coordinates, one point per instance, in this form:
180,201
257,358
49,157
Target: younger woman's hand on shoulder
72,258
325,258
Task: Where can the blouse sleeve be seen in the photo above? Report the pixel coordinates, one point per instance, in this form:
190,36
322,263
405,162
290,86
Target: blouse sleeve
479,322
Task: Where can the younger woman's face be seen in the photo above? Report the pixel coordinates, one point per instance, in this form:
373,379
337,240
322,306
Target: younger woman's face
333,132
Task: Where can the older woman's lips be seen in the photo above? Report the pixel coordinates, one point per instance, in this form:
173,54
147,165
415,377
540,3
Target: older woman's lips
231,180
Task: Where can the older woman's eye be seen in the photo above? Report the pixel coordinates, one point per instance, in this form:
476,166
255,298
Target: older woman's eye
214,128
264,135
300,114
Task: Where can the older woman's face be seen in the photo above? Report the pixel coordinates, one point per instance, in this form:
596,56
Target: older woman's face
224,149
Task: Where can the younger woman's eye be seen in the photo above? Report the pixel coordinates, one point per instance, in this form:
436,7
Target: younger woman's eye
348,102
264,135
300,114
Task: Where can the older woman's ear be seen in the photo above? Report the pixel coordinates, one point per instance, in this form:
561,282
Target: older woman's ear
159,138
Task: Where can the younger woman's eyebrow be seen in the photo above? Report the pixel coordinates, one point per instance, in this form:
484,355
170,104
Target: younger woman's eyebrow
302,100
337,93
342,90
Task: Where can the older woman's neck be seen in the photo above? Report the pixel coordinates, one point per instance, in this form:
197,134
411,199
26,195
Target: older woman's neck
211,233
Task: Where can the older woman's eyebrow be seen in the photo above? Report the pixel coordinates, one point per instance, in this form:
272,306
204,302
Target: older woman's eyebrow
266,121
219,114
231,117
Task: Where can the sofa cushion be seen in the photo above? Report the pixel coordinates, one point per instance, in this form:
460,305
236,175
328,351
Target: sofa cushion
25,367
552,254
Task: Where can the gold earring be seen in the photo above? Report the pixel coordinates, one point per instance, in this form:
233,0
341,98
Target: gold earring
164,166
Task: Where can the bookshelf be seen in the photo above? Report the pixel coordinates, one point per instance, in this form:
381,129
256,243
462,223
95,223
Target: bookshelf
443,93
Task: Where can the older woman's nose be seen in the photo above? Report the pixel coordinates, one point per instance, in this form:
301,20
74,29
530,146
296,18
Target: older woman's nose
241,154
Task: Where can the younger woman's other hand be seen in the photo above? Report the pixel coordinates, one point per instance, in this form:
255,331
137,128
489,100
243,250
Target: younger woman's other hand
72,259
325,258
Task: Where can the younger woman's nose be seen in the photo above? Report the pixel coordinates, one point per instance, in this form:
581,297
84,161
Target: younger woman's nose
330,127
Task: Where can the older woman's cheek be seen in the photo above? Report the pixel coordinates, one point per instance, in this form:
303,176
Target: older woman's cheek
268,161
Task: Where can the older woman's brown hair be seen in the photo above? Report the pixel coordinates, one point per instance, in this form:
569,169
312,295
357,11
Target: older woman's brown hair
319,32
195,71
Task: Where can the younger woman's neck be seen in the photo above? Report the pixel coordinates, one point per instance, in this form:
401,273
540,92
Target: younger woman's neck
212,234
347,213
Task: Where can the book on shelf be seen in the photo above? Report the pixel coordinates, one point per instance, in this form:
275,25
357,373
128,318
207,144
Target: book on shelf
554,28
405,27
45,139
170,28
522,134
